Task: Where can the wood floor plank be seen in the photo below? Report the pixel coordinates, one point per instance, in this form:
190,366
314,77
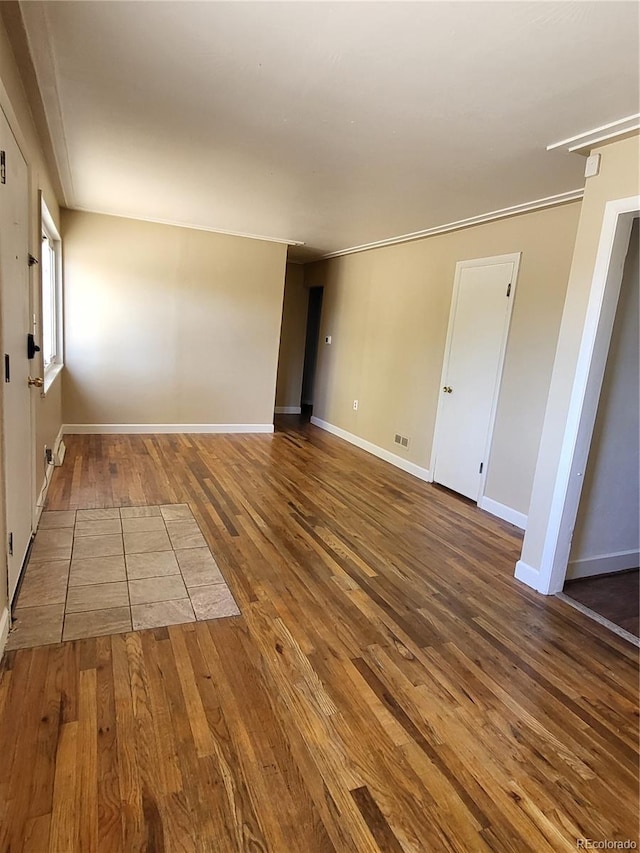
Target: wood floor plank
388,686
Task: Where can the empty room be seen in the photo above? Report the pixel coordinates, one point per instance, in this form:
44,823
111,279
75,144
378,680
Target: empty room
319,463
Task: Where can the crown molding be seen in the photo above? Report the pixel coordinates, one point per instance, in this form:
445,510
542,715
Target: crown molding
36,27
503,213
189,225
582,143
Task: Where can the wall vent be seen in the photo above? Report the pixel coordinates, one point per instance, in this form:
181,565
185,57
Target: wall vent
402,440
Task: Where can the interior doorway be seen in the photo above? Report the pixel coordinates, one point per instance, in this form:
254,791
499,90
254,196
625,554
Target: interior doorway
479,319
314,314
602,572
16,397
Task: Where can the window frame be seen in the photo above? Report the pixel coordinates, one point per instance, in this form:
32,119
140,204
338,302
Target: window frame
48,229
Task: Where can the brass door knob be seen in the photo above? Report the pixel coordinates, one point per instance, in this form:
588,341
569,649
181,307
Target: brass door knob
37,382
447,389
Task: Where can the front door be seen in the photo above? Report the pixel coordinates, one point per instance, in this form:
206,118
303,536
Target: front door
14,308
478,326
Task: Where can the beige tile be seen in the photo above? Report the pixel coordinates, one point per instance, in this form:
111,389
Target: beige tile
148,590
36,626
198,567
213,602
96,623
97,570
142,525
162,613
97,546
97,528
151,540
99,596
185,534
44,583
153,564
60,518
139,511
97,514
52,545
176,512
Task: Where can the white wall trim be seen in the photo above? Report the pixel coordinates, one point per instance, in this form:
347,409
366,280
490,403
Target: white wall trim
555,524
4,629
176,224
288,410
148,429
42,497
529,575
604,564
583,142
380,452
480,219
519,519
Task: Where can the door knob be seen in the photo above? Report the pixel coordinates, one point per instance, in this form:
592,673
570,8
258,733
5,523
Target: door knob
447,389
38,382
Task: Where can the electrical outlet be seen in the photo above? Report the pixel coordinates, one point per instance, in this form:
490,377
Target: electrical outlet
355,405
48,455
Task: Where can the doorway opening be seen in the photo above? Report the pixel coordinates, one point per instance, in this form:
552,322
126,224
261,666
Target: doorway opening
602,572
314,314
554,505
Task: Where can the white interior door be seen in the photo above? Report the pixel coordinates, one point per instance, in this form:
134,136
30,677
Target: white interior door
14,305
476,341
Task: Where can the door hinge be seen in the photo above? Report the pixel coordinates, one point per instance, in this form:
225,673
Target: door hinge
3,167
7,367
509,289
481,467
11,544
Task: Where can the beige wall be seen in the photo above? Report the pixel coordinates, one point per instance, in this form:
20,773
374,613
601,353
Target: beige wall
609,512
387,312
618,178
292,338
168,325
15,104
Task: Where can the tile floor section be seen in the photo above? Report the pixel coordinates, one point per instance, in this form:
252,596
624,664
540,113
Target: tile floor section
105,571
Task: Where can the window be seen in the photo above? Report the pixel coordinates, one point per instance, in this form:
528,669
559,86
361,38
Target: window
51,278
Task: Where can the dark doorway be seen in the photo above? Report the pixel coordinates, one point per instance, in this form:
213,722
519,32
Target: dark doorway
311,348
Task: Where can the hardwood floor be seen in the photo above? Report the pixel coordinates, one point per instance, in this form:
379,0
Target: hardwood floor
389,685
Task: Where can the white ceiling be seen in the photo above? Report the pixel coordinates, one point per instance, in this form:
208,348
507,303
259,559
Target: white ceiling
333,124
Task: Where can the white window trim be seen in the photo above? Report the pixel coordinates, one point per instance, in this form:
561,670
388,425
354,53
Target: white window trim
54,368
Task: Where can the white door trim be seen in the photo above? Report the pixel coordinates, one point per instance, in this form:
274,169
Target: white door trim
513,258
583,404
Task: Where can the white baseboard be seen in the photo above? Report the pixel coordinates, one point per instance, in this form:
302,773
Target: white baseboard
604,564
4,629
380,452
530,576
57,453
149,429
288,410
519,519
